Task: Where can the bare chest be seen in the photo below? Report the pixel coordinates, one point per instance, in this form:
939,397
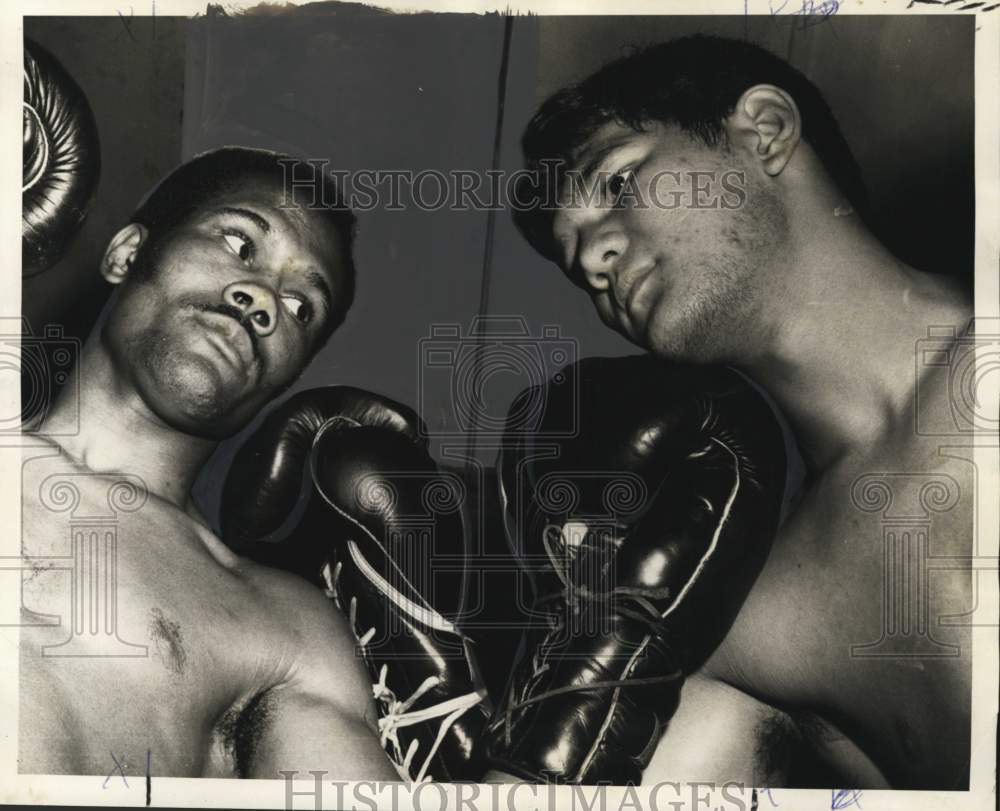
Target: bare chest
860,615
135,638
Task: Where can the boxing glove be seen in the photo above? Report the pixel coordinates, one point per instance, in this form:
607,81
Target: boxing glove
337,485
643,506
61,160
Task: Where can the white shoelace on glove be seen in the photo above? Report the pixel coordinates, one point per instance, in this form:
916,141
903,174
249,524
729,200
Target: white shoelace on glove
396,713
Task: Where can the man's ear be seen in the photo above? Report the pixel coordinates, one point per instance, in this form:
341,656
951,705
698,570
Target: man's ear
121,251
766,120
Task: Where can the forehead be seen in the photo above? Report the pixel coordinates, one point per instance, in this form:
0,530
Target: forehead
608,136
667,140
614,135
301,230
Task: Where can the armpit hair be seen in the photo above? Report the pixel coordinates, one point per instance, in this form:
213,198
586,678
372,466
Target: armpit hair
777,737
787,751
241,729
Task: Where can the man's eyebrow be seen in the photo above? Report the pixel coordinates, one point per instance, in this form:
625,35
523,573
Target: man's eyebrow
598,157
321,284
246,214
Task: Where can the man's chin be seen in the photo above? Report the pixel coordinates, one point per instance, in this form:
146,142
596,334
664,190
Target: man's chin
632,332
194,395
686,341
661,338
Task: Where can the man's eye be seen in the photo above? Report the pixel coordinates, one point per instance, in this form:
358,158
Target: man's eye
302,310
617,182
240,245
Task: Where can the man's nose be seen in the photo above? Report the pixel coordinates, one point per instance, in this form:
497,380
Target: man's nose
258,304
603,246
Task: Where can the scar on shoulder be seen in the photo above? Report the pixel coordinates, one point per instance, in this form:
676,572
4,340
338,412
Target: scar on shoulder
166,635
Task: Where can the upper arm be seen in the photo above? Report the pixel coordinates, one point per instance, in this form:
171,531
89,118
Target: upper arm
321,716
720,734
303,732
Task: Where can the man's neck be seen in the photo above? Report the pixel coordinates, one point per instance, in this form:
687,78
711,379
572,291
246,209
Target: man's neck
102,423
841,352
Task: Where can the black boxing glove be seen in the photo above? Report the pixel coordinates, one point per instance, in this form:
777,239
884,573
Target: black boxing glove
338,486
644,530
61,160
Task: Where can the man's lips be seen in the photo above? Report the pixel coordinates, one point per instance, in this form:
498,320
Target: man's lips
226,349
633,298
230,336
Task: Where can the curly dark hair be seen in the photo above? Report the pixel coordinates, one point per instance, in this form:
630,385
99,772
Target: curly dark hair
694,83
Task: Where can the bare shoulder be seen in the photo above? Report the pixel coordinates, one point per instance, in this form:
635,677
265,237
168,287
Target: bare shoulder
310,617
929,458
320,714
720,734
318,641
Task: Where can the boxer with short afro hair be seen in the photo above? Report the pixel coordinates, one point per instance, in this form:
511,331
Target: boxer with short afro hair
305,185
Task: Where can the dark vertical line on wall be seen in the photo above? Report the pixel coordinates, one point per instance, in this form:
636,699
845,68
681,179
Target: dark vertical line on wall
487,267
484,290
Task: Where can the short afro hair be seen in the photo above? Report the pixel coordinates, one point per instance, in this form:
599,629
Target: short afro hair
192,185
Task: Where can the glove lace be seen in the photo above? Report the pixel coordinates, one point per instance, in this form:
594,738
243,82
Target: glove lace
559,607
396,713
568,602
